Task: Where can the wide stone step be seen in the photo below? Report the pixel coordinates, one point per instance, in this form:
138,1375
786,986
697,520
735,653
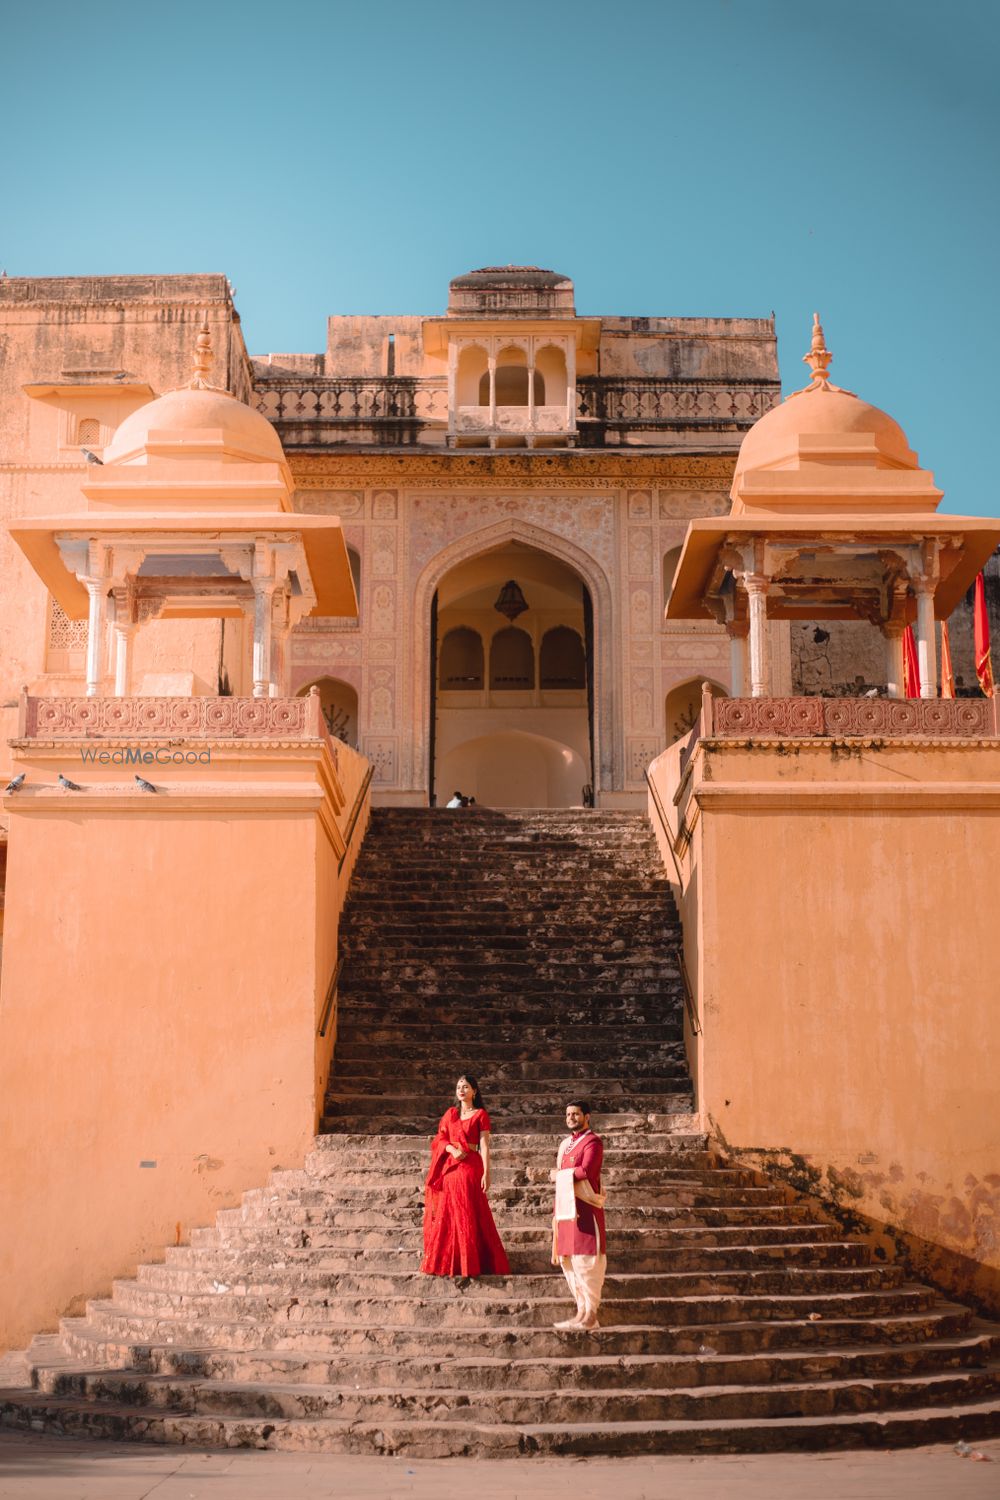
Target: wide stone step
512,1094
111,1337
66,1416
589,1370
538,1038
576,1402
633,1146
274,1285
426,1125
513,1311
533,1198
401,1169
513,1107
362,1059
205,1271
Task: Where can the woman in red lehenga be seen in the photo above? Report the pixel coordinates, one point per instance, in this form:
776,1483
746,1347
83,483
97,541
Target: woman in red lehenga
460,1237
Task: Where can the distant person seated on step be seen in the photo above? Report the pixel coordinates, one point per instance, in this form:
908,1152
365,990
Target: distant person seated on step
456,800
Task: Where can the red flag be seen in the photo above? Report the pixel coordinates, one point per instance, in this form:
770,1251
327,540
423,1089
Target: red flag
947,672
911,666
981,630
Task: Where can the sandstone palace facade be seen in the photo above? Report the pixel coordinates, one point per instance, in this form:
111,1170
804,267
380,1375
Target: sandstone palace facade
508,441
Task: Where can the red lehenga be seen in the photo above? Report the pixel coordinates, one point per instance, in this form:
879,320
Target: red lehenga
460,1237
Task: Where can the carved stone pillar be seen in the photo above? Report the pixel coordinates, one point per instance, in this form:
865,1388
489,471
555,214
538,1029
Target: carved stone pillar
123,631
893,632
571,387
263,593
738,631
531,389
492,363
926,638
95,631
760,676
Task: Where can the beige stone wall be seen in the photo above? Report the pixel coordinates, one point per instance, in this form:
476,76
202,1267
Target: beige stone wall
416,525
837,908
68,340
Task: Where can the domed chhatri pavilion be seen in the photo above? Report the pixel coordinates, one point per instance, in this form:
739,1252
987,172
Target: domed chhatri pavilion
259,621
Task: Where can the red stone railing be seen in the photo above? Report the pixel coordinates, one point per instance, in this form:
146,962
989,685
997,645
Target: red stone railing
171,718
850,718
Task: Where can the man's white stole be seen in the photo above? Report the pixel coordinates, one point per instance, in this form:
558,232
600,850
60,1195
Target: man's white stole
569,1188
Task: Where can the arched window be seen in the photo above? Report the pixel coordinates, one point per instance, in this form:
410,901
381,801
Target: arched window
461,667
550,364
511,381
88,433
339,702
670,561
473,369
512,660
563,663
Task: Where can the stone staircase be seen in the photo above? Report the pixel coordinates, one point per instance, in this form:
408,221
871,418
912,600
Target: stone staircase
537,950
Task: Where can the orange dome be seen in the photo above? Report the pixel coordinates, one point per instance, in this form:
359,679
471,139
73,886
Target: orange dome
822,410
197,408
192,410
773,441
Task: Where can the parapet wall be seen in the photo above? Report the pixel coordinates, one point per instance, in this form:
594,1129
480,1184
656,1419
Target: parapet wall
839,905
167,1011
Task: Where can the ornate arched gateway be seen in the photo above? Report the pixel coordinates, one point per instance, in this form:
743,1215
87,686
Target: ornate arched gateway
607,748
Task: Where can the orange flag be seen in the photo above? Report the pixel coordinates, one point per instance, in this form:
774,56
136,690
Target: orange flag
981,634
947,673
911,666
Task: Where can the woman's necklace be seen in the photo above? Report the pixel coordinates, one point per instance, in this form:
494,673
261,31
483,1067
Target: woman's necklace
463,1116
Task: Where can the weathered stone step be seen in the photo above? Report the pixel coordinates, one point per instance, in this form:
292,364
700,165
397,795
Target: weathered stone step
581,1404
513,1106
111,1337
401,1169
632,1146
586,1370
363,1058
425,1125
174,1287
513,1311
538,1038
513,1094
203,1269
67,1416
635,1201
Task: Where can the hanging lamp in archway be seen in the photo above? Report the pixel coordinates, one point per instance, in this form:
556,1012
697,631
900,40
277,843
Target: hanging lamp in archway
510,601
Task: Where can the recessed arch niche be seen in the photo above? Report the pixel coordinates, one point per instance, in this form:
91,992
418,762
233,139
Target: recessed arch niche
683,705
339,702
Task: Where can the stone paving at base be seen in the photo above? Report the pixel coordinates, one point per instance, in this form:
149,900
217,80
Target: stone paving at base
45,1468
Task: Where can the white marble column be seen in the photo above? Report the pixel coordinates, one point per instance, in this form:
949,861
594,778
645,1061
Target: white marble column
893,632
493,389
756,587
571,387
926,637
124,631
737,633
95,632
263,592
531,390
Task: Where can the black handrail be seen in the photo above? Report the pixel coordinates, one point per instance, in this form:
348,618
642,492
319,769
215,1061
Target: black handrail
689,1004
355,814
331,996
664,825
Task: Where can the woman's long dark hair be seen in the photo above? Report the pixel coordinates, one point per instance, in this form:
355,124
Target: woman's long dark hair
477,1098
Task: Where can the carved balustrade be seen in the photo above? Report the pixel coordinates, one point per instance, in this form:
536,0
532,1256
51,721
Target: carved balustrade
171,718
850,718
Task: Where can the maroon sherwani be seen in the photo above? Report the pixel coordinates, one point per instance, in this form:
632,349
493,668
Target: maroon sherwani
587,1236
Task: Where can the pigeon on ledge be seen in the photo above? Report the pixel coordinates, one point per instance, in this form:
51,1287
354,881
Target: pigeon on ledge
16,783
91,458
67,785
145,786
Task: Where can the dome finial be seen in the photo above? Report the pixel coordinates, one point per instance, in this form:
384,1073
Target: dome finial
204,359
818,359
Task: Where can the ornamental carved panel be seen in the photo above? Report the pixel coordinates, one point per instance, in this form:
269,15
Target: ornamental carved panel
845,718
158,718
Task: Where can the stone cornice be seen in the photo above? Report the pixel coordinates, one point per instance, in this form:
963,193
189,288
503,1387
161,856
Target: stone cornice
539,468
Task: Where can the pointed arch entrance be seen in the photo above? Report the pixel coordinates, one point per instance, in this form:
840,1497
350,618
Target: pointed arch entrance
538,701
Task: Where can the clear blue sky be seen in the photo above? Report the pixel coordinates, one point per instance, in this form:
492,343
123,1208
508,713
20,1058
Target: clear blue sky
708,157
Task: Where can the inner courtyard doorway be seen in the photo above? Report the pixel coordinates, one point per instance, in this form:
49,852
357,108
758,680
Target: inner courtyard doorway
512,681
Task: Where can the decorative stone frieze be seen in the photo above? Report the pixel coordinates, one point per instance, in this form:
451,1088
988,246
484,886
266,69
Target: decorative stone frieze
846,718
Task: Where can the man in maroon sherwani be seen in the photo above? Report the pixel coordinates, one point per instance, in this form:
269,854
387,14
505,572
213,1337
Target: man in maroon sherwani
579,1241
